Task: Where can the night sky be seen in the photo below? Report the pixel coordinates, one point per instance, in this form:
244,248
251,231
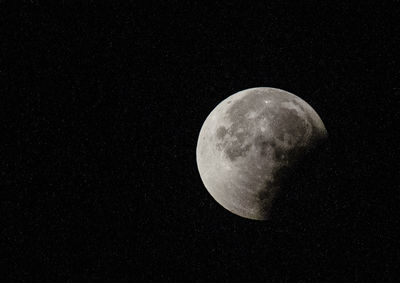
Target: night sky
101,107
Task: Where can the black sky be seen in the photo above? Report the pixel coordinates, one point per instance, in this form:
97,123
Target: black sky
101,109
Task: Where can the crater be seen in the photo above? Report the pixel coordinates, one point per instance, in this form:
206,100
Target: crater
265,193
290,123
221,132
264,145
280,154
232,141
249,103
235,151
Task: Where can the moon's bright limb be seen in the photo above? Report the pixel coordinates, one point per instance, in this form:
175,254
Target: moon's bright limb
246,142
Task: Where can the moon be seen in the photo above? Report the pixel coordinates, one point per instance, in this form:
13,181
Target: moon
248,141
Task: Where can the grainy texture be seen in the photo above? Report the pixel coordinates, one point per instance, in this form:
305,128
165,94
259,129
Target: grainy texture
101,106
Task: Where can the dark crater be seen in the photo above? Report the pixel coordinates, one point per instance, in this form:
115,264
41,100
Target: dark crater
221,132
233,148
289,122
234,151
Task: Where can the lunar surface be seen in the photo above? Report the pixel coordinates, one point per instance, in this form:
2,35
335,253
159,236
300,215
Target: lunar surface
246,143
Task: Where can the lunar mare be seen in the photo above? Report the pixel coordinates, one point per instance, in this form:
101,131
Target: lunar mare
246,143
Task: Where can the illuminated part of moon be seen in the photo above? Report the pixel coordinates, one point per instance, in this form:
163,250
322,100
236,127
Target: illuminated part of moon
248,140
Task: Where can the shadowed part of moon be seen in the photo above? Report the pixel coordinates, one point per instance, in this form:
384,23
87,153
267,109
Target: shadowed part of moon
249,142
